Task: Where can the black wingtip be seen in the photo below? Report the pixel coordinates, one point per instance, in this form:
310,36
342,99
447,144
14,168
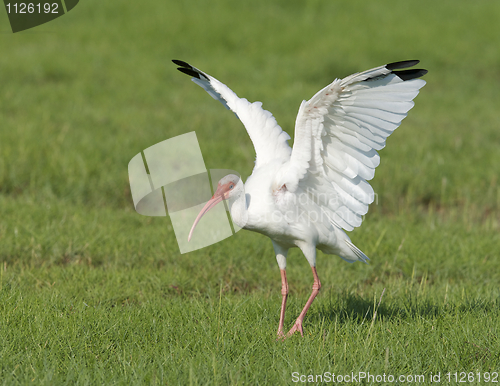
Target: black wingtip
189,72
410,74
402,64
181,63
186,68
406,74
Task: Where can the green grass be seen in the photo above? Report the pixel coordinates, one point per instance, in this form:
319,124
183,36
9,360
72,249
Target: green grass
93,293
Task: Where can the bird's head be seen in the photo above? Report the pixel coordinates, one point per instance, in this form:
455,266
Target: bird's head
228,187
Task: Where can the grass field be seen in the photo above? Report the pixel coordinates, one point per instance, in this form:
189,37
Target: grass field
93,293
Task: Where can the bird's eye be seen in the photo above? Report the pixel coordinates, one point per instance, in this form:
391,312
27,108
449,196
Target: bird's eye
231,186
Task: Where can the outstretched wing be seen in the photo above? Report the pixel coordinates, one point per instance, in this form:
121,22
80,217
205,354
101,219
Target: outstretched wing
269,140
337,135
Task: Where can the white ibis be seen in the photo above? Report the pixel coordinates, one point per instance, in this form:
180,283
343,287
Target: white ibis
309,195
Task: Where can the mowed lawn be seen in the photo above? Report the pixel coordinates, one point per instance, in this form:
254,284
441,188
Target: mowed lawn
93,293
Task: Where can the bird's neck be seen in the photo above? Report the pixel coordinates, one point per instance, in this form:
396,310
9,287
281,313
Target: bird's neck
239,210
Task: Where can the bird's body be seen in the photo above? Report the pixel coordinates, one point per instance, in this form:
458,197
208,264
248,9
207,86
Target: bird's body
308,196
289,219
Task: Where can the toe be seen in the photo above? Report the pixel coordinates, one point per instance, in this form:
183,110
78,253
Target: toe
296,327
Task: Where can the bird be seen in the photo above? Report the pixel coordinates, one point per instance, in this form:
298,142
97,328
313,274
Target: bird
309,195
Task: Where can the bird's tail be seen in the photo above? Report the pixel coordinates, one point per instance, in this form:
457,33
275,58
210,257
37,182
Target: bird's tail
354,253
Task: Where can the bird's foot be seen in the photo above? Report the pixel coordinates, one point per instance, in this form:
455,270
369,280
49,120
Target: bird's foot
296,327
281,334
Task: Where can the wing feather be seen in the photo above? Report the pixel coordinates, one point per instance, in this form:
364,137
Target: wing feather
269,140
338,133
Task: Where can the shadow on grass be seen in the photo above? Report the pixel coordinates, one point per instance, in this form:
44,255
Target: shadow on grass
353,308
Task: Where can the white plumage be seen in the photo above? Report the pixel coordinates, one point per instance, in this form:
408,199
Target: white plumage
305,196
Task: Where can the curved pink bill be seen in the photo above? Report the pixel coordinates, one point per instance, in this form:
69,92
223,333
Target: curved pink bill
209,205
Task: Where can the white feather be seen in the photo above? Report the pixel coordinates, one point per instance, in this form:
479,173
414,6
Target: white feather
269,140
354,116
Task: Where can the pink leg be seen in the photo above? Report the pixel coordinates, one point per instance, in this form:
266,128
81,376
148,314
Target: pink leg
284,293
315,290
